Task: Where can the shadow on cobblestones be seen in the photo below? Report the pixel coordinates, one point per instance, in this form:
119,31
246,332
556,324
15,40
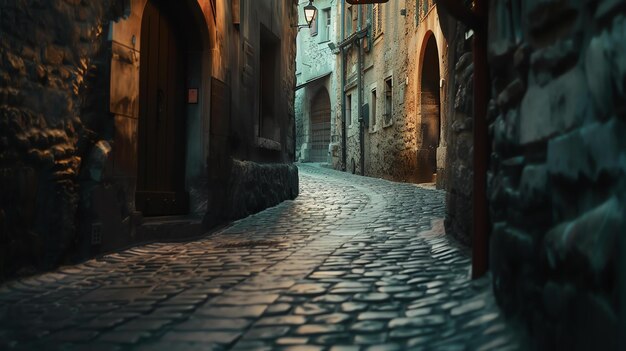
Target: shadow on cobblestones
352,263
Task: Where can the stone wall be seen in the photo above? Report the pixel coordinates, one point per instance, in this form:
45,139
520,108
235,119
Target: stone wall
314,60
50,54
254,187
391,144
557,185
69,111
459,158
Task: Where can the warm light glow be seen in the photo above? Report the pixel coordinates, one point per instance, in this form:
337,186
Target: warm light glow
310,12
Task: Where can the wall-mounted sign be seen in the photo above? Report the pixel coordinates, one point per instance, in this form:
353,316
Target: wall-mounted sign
192,96
361,2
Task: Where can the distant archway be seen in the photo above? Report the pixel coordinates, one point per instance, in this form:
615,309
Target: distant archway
430,126
171,45
320,126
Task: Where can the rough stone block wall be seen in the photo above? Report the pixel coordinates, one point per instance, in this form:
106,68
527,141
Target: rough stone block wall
557,184
49,54
459,158
254,187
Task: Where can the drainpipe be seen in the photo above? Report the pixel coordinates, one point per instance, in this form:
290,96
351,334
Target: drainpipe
344,161
359,43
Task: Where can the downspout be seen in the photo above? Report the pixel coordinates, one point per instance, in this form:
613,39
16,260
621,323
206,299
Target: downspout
359,43
343,90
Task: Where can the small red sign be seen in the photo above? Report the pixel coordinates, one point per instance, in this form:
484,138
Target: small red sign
192,96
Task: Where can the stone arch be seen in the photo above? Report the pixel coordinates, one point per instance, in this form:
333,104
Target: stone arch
429,127
130,50
320,120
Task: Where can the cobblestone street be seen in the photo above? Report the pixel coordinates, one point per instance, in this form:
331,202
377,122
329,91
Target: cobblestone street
353,263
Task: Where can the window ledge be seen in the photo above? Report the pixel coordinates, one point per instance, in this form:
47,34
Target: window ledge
268,144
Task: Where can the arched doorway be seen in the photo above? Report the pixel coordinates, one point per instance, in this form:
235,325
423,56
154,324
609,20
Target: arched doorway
168,39
320,126
430,126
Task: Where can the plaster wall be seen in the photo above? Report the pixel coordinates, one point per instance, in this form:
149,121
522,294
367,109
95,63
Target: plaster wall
314,60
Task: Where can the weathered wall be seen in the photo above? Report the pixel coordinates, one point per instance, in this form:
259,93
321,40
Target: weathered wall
50,117
69,110
458,175
557,184
314,59
391,147
241,71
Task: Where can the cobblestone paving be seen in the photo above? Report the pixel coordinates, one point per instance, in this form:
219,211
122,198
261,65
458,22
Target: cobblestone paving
353,263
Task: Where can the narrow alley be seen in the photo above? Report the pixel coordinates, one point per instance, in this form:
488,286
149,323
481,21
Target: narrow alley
313,175
353,261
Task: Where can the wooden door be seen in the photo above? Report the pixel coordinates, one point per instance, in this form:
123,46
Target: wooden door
320,127
430,127
161,154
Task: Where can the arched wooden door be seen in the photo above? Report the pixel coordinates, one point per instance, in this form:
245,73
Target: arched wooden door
162,115
430,127
320,126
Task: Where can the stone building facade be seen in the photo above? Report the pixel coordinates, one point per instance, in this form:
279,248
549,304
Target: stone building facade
419,120
317,84
405,72
557,185
116,113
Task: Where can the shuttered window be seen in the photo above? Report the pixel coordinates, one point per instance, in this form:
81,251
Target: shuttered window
377,20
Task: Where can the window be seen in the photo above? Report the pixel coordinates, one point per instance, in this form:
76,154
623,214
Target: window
377,20
421,9
313,28
325,25
349,110
388,101
373,107
268,85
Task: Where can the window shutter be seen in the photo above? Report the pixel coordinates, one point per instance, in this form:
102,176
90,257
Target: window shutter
377,24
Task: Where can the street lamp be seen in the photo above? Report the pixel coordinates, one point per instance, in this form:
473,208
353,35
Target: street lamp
310,12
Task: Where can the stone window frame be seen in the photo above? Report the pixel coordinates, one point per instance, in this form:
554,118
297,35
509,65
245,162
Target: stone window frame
388,94
373,103
348,110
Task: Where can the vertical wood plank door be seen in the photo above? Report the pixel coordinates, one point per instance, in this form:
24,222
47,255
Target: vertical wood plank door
430,103
320,126
162,115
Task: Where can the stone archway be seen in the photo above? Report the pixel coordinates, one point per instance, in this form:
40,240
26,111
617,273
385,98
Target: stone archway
171,59
320,126
430,110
